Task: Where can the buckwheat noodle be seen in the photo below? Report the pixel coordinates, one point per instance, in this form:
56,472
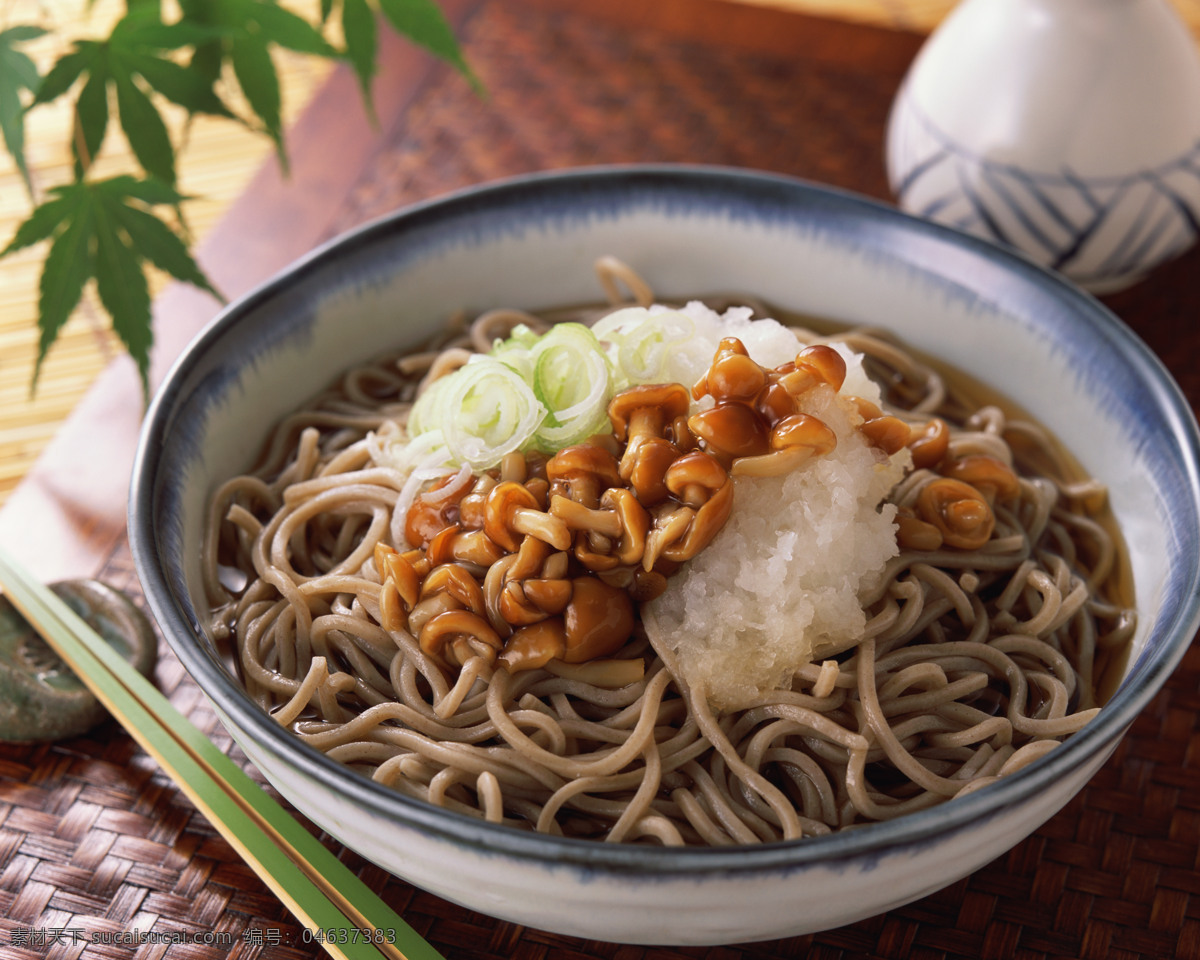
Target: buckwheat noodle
973,664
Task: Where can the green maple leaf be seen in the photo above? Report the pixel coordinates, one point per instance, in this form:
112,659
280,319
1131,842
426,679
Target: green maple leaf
105,230
362,45
129,67
17,72
422,21
244,33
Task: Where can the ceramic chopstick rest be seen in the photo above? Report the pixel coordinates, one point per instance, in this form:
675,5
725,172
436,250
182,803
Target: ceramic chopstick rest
41,699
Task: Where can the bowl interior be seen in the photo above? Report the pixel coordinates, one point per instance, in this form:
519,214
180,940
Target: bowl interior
689,231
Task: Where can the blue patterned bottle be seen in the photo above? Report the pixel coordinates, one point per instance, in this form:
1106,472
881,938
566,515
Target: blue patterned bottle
1068,129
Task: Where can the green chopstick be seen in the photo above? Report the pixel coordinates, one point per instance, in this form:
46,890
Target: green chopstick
340,912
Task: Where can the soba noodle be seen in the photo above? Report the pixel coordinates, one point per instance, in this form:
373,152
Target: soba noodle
973,663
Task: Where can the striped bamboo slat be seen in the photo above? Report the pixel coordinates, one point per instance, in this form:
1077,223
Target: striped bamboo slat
215,166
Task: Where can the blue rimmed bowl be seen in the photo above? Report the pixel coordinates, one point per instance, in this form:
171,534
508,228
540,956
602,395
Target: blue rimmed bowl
530,242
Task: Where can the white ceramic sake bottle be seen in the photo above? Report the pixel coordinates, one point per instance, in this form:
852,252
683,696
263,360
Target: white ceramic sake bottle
1069,129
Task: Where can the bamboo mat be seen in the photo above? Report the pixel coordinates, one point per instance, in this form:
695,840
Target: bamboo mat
215,168
95,841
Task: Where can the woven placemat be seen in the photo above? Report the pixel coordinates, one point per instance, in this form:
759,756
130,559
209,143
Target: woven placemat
568,91
95,842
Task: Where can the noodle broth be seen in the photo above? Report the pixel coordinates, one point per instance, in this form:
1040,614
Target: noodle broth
1048,456
296,586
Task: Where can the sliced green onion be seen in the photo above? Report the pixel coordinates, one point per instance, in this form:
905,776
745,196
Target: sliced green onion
516,351
426,414
643,343
484,411
547,391
572,380
522,335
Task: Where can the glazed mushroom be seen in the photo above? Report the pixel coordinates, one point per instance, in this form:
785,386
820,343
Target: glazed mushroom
794,439
400,587
646,410
548,595
391,608
695,477
435,510
731,430
705,494
517,609
960,512
913,533
399,568
582,473
432,606
635,524
929,446
455,580
732,374
471,507
531,556
598,620
628,509
882,430
756,427
681,435
594,552
641,417
454,637
644,468
773,402
455,545
670,524
620,519
533,646
514,466
890,434
814,365
803,431
596,623
511,511
704,526
991,477
680,532
646,585
527,586
495,579
588,519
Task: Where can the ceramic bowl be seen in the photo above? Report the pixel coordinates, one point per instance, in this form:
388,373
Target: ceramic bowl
530,242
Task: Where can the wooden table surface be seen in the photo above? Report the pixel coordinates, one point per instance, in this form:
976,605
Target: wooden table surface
94,838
